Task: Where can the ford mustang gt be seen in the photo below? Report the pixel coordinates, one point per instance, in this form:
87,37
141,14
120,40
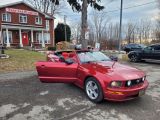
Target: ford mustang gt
96,73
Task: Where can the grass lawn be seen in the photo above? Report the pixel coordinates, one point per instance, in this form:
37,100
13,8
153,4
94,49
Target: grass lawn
20,60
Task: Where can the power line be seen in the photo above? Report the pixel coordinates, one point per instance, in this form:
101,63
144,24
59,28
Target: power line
75,19
148,3
131,7
140,5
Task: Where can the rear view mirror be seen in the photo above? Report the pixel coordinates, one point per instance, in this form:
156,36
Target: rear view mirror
69,61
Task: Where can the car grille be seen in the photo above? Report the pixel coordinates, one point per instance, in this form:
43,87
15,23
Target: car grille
134,82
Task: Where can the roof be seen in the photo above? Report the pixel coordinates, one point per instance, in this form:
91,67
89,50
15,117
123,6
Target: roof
7,3
156,44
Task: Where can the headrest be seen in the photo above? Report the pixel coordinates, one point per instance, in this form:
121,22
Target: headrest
65,54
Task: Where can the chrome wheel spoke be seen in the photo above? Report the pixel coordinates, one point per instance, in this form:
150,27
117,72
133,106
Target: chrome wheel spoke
92,89
94,93
95,87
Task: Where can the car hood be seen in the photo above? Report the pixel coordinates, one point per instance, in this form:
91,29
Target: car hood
115,70
137,51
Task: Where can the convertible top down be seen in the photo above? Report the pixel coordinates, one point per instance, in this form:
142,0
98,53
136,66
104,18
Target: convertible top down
96,73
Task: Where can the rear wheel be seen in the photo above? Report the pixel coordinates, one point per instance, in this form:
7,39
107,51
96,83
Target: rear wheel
93,90
134,58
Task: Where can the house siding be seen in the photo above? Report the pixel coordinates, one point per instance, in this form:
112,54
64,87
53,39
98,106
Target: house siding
30,25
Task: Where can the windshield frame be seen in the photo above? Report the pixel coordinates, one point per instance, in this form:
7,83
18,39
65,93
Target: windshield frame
90,56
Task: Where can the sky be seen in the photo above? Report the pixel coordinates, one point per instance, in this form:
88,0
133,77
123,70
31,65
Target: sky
148,11
135,11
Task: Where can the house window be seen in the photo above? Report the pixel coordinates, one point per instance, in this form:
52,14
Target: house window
47,37
39,37
5,36
47,24
6,17
22,18
38,20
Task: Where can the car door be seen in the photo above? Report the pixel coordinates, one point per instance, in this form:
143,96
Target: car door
57,72
156,52
147,53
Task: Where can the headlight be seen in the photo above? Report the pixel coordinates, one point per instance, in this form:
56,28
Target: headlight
116,84
129,83
143,79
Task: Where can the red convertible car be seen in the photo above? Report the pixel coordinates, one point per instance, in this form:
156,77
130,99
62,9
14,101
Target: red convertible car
96,73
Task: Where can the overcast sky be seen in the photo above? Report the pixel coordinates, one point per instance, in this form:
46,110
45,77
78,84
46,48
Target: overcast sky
148,11
135,13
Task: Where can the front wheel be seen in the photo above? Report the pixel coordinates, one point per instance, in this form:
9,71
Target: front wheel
93,90
134,58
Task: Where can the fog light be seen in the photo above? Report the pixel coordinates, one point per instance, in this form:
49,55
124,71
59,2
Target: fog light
129,83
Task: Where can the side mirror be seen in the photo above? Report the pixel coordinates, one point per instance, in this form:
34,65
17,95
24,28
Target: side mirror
114,58
69,61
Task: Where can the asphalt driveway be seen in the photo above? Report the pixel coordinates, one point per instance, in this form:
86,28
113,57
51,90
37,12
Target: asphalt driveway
24,97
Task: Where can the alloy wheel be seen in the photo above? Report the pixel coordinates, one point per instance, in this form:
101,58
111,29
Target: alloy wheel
92,90
133,58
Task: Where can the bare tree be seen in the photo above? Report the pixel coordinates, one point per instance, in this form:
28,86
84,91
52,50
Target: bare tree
146,27
130,32
76,30
99,22
111,35
141,31
47,6
157,30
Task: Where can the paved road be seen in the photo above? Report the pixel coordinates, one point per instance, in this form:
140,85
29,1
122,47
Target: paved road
23,97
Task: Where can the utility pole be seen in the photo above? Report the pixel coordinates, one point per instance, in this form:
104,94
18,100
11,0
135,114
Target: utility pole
65,31
120,27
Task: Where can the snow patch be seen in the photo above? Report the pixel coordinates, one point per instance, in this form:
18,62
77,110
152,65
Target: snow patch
44,93
7,109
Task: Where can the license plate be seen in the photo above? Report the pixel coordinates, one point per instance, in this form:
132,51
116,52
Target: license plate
142,92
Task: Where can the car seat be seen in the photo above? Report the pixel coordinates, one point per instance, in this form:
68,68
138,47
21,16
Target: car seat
73,56
65,55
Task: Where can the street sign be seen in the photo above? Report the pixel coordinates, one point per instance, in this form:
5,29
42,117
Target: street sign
12,10
97,46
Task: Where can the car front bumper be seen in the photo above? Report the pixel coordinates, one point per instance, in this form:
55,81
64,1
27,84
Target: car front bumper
125,93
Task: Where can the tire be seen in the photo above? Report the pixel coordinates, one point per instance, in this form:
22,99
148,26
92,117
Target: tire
93,90
134,58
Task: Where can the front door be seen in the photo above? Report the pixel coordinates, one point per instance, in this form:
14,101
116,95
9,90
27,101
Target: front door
147,53
156,52
25,39
57,72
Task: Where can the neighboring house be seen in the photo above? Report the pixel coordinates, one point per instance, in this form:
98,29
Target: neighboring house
22,25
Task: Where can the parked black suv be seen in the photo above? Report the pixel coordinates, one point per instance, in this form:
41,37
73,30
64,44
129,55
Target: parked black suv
150,52
133,47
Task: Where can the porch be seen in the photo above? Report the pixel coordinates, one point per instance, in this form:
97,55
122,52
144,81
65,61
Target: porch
19,36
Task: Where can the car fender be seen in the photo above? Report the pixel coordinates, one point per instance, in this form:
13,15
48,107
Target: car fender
133,53
103,79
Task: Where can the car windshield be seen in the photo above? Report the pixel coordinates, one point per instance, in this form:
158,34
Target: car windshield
86,57
143,46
